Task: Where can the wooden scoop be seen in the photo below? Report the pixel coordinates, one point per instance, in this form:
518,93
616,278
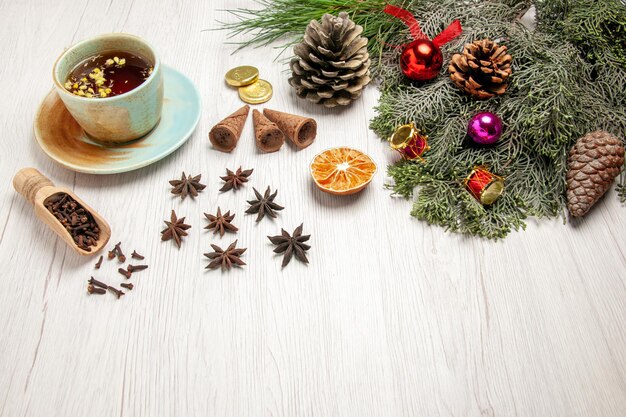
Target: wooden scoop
36,188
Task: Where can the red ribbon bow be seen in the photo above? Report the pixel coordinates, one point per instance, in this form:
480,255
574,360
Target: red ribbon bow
449,33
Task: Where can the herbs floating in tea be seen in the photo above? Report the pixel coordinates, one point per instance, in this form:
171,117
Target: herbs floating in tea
108,74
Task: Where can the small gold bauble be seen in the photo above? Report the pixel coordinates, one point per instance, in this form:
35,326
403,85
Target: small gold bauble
256,93
240,76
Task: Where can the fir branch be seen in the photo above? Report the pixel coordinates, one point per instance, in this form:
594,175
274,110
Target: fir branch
568,79
553,100
548,99
597,27
285,20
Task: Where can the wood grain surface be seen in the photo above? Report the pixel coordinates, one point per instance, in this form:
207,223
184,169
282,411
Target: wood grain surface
392,317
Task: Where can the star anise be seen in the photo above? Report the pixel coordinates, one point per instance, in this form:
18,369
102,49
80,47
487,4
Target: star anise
290,245
234,180
225,258
264,204
175,229
221,222
187,185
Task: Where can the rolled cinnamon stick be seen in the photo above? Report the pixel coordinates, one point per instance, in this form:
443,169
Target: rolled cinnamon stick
300,130
225,135
268,136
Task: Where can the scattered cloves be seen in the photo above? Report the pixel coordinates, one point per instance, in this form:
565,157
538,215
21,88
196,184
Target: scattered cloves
98,287
91,289
124,272
95,282
134,268
120,255
116,291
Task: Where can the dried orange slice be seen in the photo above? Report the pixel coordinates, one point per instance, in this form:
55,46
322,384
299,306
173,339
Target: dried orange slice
342,171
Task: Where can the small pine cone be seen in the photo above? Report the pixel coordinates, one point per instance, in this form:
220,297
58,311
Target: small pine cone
594,162
331,66
482,69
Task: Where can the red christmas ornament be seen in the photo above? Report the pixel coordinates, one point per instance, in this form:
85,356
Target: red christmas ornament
421,60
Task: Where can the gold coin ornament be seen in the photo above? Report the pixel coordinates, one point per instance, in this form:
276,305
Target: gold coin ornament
256,93
242,76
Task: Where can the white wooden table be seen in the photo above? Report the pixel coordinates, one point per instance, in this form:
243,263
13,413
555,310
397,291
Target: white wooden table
391,318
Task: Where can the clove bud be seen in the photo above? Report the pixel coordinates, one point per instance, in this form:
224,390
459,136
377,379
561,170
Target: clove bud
135,255
116,291
91,289
120,255
124,272
95,282
134,268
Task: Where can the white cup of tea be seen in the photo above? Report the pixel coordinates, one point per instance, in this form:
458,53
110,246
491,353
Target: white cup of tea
112,84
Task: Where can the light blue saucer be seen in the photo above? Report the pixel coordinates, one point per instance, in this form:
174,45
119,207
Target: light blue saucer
63,140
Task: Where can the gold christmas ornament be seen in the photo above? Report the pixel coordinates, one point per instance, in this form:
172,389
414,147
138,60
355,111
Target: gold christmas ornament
482,69
594,162
331,66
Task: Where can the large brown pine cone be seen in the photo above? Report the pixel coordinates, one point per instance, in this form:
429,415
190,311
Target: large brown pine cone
482,69
331,66
594,162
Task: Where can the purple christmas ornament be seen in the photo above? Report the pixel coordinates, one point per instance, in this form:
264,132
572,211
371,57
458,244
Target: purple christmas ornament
485,128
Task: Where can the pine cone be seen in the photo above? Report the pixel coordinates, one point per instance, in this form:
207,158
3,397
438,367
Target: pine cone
482,70
594,162
331,66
